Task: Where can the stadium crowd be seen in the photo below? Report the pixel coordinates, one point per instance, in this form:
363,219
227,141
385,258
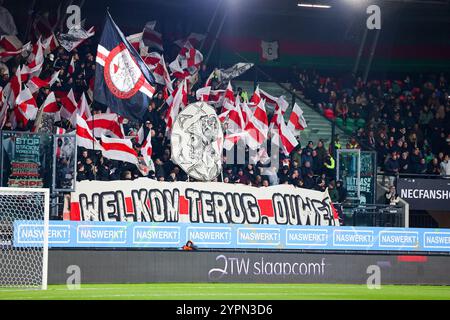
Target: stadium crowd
392,117
406,121
312,166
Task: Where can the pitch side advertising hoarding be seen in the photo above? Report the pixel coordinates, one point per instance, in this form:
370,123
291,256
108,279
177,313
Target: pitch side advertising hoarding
72,234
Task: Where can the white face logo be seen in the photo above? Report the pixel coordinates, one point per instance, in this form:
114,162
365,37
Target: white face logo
197,141
122,74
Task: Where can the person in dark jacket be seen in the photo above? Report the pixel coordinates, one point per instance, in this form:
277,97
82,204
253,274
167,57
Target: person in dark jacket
392,165
309,182
341,190
404,163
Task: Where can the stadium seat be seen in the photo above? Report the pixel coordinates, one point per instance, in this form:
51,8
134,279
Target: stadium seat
361,123
329,114
350,122
339,122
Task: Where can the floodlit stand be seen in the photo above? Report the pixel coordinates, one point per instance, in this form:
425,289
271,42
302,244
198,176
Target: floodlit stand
25,265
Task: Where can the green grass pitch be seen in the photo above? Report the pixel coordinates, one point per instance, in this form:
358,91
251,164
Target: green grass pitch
221,291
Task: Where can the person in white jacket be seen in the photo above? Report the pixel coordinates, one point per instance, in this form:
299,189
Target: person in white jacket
445,167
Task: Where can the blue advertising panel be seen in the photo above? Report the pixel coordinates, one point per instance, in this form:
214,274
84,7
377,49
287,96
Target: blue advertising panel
76,234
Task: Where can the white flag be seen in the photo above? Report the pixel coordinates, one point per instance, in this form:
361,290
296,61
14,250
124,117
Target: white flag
269,50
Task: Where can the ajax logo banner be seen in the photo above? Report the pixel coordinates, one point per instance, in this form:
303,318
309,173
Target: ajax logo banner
122,74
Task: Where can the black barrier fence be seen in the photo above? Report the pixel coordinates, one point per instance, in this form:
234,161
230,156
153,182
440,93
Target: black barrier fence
389,177
422,192
376,215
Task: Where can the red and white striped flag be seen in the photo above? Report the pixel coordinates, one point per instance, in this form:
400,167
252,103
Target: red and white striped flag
69,106
105,124
233,118
247,131
50,44
51,108
166,75
13,88
177,70
296,120
85,138
247,113
10,43
147,149
230,140
256,97
187,62
152,38
257,126
156,63
34,67
71,68
193,58
282,136
59,130
194,39
83,107
26,108
136,40
50,105
202,94
152,59
281,105
119,149
208,81
269,98
229,98
5,55
229,94
35,83
276,103
175,105
261,156
216,97
34,50
10,46
140,135
3,109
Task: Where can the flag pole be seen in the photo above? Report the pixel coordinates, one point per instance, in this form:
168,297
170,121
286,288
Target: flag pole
93,141
210,25
219,31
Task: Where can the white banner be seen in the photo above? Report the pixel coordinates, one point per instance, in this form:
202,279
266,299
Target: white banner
234,71
269,50
147,200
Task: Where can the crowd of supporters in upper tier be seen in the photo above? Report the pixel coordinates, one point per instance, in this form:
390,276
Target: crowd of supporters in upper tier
407,121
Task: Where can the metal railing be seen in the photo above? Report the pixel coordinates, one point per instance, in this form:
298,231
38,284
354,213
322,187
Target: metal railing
414,175
387,179
372,215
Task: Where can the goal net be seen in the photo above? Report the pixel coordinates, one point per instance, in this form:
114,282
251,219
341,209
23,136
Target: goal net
23,262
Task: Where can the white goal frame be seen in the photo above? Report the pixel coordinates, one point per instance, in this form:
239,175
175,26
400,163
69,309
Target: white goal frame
46,193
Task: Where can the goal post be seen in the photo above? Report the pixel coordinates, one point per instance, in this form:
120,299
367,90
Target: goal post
23,260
